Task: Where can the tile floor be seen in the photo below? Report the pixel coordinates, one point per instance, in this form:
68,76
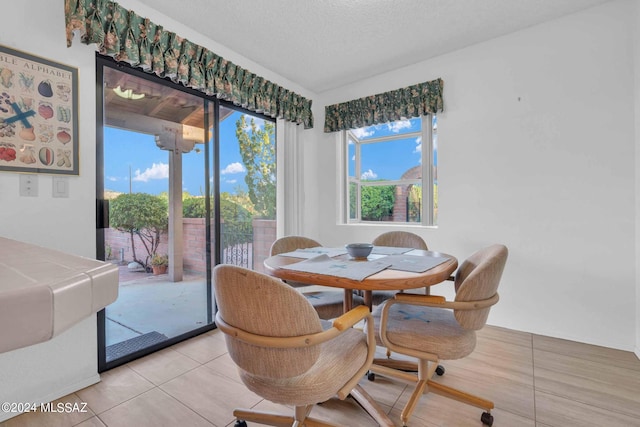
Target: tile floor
533,380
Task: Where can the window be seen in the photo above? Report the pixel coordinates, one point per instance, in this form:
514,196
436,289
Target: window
391,172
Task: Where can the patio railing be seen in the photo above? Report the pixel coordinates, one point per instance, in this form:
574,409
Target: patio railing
237,243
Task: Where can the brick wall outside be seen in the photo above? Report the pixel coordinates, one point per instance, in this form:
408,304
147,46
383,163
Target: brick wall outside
118,244
264,234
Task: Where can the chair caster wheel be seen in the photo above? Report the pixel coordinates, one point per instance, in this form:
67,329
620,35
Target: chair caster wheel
240,423
371,376
440,370
487,419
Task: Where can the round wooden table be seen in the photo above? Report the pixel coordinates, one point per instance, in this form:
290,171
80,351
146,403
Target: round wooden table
389,280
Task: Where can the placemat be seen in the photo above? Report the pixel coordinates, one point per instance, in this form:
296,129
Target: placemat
414,263
354,270
313,252
389,250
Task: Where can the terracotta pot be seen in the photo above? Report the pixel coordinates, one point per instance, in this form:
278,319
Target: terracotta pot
159,269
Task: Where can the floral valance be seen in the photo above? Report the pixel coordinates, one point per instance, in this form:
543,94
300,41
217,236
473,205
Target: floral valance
128,37
408,102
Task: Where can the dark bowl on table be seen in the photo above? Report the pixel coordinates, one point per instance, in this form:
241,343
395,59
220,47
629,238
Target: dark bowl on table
359,250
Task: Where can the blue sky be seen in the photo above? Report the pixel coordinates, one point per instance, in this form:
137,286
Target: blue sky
388,160
126,150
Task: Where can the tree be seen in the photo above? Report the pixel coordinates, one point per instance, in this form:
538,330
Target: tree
232,207
258,153
142,215
377,202
193,206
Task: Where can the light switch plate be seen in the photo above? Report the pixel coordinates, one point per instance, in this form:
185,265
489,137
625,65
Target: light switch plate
60,186
28,185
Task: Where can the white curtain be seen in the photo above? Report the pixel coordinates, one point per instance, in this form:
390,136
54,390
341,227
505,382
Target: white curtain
290,177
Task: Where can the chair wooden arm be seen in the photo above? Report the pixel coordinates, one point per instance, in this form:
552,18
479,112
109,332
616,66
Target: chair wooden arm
339,325
410,298
351,317
441,302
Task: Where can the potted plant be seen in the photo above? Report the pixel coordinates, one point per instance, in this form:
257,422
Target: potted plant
159,264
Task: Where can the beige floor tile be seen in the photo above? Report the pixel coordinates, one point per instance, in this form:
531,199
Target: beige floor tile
609,356
153,409
216,333
384,390
575,385
65,412
92,422
211,395
497,358
435,410
512,396
163,365
202,349
506,335
599,384
443,412
224,366
115,387
557,411
414,420
345,413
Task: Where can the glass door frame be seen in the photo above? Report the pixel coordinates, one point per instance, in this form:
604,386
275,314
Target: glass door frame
102,207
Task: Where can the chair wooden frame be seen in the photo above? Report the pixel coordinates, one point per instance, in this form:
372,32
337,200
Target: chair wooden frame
428,362
338,326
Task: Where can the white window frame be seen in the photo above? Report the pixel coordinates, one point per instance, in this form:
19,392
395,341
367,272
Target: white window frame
426,182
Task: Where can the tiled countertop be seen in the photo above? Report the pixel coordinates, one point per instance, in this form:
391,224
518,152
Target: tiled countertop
43,292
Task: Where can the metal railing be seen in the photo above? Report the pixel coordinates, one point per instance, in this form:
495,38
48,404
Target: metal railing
237,243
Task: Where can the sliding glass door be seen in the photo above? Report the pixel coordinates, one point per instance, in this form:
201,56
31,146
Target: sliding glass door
184,182
155,155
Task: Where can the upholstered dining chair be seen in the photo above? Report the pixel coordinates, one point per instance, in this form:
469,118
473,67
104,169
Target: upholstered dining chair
396,239
430,328
282,351
328,303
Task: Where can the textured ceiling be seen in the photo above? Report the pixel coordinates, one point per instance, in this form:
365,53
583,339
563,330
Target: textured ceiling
326,44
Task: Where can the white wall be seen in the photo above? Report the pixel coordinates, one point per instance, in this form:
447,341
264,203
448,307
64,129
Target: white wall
64,224
536,151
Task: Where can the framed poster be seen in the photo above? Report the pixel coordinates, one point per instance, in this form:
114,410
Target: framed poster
38,114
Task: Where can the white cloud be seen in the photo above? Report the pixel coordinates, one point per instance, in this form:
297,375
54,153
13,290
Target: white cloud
112,178
231,181
157,171
233,168
418,145
258,122
397,126
353,158
369,175
362,133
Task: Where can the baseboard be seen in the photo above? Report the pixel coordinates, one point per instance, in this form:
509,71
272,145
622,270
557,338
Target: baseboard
71,388
637,352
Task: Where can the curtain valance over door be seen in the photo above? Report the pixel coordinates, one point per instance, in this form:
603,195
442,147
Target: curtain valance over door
128,37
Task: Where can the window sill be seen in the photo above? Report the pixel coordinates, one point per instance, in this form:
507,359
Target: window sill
388,225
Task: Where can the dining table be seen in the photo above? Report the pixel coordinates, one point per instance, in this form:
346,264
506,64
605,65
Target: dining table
386,268
387,279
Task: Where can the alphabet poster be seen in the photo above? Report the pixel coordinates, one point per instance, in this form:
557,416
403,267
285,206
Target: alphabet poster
38,115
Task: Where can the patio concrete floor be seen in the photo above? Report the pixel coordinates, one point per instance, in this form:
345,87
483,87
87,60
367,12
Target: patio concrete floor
148,303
